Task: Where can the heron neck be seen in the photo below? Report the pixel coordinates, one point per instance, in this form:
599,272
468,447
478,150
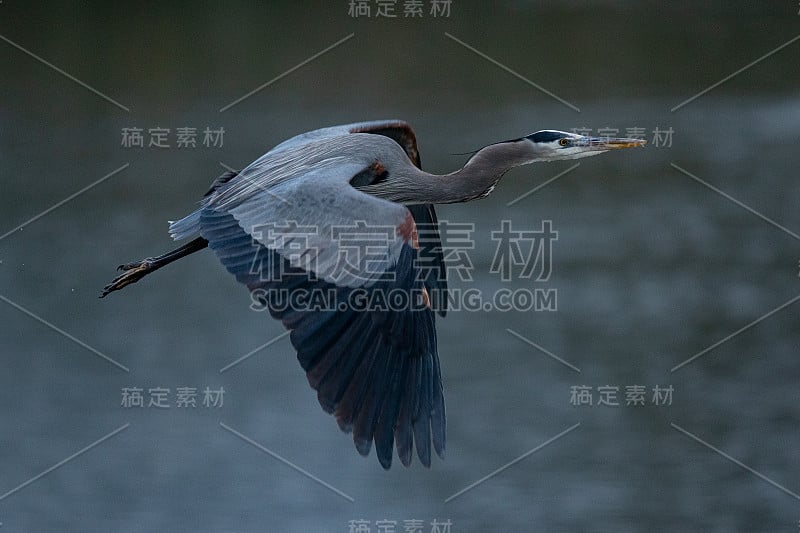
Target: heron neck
481,173
475,180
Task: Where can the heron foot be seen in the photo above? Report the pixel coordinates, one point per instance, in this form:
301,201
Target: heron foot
133,272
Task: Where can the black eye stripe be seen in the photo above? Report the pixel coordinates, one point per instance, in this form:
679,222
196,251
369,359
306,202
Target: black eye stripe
545,136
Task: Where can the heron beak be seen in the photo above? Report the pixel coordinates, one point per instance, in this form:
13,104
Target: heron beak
611,143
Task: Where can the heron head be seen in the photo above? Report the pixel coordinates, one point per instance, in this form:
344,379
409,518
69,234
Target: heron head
554,145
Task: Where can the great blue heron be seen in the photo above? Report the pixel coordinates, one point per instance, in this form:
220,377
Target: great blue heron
273,225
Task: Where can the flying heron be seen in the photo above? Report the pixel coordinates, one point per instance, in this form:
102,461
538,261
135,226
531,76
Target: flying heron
274,226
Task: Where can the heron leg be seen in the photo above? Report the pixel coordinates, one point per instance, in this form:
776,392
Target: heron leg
135,271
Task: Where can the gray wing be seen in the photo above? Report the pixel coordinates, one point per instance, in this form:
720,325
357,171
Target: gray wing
376,369
374,366
290,157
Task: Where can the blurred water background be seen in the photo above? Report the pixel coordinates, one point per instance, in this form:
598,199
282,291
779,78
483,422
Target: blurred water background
651,267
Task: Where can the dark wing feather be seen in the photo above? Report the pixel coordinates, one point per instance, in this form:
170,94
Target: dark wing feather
376,371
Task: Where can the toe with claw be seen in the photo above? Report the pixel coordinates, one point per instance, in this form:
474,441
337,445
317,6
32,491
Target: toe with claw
133,272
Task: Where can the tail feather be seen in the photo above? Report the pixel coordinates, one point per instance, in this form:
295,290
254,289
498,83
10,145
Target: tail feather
188,226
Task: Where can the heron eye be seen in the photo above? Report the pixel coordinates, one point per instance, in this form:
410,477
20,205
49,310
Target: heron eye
563,142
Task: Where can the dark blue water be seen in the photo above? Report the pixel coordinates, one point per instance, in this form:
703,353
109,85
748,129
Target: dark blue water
651,267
